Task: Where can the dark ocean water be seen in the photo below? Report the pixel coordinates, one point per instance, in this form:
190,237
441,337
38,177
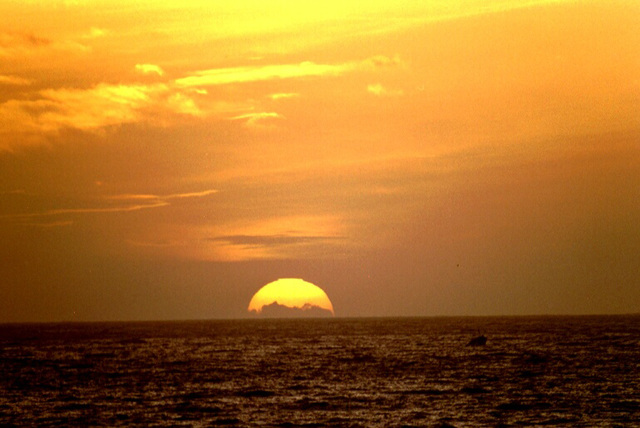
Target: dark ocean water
567,371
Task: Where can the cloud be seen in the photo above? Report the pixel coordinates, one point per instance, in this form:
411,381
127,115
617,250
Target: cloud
84,109
103,105
224,76
381,91
183,104
129,196
149,69
146,196
253,119
272,240
14,80
380,61
27,120
191,194
277,246
284,95
12,43
484,8
100,106
153,244
8,39
141,202
18,44
120,209
49,225
275,238
95,33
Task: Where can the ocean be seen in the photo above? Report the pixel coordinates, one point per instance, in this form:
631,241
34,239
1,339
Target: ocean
532,371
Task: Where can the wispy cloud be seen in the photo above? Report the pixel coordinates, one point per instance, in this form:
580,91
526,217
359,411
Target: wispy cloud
130,196
149,69
253,119
119,209
153,244
19,44
83,109
276,238
95,33
139,202
14,192
277,246
190,194
30,118
484,8
89,109
183,104
284,95
381,91
224,76
49,225
272,240
100,106
148,196
14,80
12,43
15,38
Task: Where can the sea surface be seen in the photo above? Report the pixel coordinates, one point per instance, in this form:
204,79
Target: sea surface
532,371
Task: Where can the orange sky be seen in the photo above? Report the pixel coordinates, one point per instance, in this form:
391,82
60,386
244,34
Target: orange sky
162,161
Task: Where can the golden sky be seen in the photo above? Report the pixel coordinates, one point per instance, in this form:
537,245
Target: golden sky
165,160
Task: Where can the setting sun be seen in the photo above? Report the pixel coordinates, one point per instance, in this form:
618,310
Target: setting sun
292,293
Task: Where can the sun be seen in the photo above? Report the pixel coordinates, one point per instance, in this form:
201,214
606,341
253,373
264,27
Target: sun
291,293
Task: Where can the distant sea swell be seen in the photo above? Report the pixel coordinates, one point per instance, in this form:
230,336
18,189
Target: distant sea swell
572,371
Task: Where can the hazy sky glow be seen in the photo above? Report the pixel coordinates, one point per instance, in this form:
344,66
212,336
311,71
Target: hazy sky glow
166,160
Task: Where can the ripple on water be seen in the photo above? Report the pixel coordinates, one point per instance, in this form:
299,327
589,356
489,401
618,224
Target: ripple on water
377,372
